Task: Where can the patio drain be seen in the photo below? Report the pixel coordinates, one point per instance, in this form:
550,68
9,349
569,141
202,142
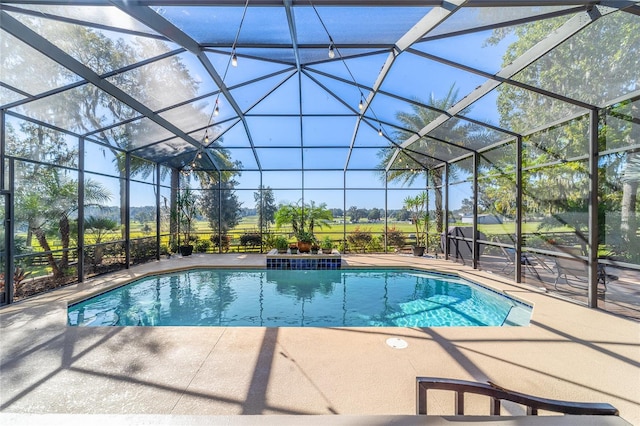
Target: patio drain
397,343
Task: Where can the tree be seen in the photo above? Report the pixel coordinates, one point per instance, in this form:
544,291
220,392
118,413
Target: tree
630,183
627,131
265,206
317,216
409,166
466,206
417,207
355,214
375,214
289,214
402,215
48,202
187,209
220,205
143,214
43,145
99,227
303,217
90,110
595,57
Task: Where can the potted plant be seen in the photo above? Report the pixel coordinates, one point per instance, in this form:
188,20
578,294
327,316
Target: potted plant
327,245
303,218
314,248
417,207
293,248
305,240
281,244
187,208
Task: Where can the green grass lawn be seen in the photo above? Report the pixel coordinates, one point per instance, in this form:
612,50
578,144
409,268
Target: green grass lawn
249,224
336,232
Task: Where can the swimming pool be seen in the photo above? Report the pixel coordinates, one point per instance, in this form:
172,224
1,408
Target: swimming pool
325,298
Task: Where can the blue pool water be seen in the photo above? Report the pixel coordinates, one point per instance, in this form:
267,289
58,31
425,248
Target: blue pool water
268,298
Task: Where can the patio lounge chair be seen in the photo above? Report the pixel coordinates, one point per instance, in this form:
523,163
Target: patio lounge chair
528,262
578,269
497,394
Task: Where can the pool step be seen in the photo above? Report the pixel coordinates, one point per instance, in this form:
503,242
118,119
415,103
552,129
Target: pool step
518,316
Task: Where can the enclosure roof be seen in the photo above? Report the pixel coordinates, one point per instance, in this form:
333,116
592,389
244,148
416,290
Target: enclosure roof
319,85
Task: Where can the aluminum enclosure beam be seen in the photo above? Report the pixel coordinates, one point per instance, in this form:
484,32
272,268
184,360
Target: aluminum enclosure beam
44,46
570,28
151,19
431,20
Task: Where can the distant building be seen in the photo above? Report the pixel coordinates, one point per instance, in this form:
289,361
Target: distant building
484,219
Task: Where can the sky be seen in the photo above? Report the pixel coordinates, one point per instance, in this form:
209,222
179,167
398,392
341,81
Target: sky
326,140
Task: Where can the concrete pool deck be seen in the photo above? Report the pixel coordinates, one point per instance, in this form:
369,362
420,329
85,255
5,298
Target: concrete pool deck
568,352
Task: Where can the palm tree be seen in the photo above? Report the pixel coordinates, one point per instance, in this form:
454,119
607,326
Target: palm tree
301,217
57,196
289,213
99,227
416,161
630,181
319,216
417,207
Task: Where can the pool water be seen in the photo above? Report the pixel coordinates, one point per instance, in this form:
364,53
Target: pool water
271,298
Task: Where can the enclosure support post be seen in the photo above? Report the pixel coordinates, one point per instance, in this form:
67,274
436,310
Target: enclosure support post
127,207
474,244
261,216
344,211
81,210
592,296
3,185
386,211
7,199
445,231
518,230
10,213
428,214
219,212
158,211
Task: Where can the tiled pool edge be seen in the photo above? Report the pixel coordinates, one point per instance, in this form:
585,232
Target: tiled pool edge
284,262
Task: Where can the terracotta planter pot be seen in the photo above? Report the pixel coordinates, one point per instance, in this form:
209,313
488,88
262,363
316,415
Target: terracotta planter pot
304,247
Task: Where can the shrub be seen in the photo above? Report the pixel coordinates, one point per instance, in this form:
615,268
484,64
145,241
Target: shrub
202,246
215,239
269,240
142,250
395,238
376,244
252,240
360,238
